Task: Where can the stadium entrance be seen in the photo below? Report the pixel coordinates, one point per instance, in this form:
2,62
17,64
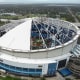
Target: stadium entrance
62,63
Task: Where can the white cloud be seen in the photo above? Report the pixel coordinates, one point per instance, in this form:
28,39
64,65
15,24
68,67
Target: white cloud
2,0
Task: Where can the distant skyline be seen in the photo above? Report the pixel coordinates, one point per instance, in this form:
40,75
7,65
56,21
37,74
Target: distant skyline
40,1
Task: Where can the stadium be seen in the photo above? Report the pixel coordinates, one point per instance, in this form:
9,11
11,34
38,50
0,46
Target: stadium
38,47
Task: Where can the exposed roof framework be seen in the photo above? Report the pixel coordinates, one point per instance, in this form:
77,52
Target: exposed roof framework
34,34
56,35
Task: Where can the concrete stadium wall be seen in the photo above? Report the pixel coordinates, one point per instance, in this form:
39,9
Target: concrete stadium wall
51,52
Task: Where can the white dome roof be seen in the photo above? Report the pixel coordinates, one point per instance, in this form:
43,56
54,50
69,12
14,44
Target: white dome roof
18,38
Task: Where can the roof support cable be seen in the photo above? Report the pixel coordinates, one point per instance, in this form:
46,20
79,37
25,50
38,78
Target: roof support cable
45,46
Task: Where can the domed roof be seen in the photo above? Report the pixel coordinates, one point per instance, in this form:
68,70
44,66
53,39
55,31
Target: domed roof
18,38
36,34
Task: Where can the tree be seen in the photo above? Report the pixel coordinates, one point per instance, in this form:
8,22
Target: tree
43,78
67,79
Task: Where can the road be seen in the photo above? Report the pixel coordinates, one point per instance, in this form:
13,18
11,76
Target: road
69,10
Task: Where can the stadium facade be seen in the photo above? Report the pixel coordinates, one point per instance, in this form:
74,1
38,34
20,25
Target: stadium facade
38,46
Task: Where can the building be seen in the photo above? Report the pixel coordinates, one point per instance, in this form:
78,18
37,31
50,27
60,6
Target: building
74,65
38,46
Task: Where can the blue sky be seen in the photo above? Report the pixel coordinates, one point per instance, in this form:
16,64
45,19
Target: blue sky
40,1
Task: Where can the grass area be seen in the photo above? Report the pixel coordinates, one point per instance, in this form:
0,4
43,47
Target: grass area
20,16
63,19
9,17
78,17
67,17
2,22
9,78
